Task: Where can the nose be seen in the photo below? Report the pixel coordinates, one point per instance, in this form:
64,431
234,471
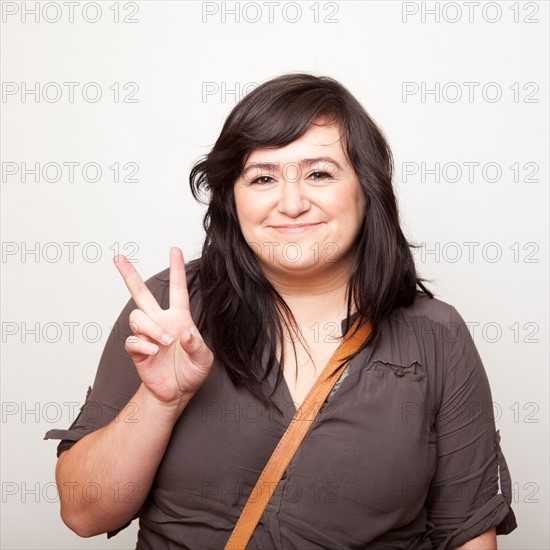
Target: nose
293,200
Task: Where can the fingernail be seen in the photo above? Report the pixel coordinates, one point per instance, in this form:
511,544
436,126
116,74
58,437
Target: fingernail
154,349
166,339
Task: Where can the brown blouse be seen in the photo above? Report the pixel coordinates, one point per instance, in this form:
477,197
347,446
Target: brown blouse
403,454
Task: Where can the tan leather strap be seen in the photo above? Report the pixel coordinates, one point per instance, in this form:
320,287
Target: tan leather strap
289,443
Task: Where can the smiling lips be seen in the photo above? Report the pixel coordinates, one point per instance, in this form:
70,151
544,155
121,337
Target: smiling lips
294,228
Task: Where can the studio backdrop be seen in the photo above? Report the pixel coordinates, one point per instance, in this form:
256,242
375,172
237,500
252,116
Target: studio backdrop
106,106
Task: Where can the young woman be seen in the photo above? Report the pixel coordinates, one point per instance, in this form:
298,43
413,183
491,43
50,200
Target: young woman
212,358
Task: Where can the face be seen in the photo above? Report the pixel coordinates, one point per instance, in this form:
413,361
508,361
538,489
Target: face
300,206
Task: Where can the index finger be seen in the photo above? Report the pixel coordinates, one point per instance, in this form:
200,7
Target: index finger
138,289
179,296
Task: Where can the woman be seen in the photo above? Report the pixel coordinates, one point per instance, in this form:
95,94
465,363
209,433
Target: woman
193,394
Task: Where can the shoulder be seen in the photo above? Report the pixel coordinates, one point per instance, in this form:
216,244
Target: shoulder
429,309
163,277
159,283
429,322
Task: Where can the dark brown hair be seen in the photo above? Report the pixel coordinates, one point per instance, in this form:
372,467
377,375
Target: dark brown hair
240,303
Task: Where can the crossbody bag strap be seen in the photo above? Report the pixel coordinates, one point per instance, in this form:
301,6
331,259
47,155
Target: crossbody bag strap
289,443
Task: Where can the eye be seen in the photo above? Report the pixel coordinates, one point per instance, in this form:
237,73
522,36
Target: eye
320,176
262,179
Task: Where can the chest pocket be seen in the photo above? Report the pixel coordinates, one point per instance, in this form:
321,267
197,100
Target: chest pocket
411,372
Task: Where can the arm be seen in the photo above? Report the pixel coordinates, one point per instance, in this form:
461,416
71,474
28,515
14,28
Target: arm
104,478
485,541
464,502
118,462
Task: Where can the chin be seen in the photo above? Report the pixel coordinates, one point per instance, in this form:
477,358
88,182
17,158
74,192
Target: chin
296,267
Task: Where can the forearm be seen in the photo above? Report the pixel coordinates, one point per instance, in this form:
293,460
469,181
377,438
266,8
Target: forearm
485,541
106,476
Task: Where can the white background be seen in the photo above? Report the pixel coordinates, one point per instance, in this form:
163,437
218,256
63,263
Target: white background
176,52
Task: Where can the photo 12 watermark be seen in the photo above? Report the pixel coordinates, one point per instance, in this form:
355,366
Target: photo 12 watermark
53,252
270,12
462,413
324,492
253,412
469,92
38,492
470,12
70,92
491,252
468,491
53,412
70,12
469,172
69,171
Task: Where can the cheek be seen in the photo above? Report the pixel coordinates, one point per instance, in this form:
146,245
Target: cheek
358,198
251,208
350,206
347,202
242,205
248,213
360,207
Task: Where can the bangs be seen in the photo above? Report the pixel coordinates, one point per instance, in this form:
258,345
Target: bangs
274,116
283,121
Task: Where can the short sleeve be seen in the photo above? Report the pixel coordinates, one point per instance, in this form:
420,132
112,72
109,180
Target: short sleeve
116,379
463,499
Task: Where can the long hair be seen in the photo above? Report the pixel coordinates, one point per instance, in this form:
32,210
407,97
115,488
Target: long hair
240,304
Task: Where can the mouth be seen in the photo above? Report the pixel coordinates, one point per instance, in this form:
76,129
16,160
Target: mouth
295,228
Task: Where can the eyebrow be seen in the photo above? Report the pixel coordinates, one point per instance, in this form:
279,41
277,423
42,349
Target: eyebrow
304,163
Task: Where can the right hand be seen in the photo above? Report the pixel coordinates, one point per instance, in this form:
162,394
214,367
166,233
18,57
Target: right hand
171,372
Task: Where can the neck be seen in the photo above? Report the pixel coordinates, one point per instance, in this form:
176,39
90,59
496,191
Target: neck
318,295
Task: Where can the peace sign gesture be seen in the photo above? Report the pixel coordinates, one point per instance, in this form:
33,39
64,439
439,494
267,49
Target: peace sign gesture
170,355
